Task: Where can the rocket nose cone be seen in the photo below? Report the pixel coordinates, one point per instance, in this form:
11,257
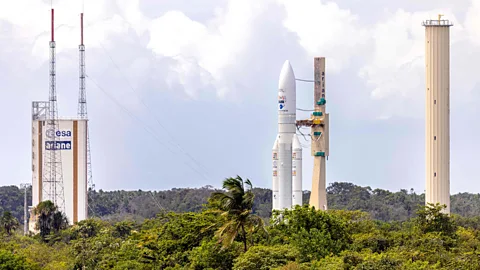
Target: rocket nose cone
287,77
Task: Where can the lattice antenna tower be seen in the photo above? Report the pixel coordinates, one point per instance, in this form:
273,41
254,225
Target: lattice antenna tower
82,102
52,175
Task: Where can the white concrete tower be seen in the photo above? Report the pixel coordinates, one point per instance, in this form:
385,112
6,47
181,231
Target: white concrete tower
286,131
437,111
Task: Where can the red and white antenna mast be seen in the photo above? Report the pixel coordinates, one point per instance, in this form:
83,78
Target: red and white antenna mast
82,97
52,173
82,112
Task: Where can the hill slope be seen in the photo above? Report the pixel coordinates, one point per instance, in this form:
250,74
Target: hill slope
116,205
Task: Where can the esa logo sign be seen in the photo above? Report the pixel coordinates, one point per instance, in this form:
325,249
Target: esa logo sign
50,133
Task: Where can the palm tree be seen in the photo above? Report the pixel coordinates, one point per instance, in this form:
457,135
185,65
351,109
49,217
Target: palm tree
236,207
9,222
49,218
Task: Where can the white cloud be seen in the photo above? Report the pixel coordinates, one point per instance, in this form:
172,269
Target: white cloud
215,45
395,72
174,33
219,43
205,54
397,54
325,29
235,54
130,10
472,22
30,21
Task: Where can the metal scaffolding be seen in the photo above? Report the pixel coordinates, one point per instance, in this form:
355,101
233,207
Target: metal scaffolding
52,178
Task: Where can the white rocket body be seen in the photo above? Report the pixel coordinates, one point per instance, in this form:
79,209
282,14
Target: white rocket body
296,172
275,174
283,158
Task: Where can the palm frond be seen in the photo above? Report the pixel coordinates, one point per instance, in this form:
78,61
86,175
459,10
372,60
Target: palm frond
249,184
237,217
260,224
230,233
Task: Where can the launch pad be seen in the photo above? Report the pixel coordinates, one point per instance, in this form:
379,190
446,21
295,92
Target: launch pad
61,163
287,150
437,125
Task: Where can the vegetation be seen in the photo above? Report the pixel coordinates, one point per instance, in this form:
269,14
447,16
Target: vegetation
8,222
139,205
226,232
236,207
50,220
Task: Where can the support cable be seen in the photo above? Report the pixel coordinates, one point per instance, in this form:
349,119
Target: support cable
153,114
145,126
303,80
305,110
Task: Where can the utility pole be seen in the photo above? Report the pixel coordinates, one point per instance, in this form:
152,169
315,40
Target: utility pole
25,186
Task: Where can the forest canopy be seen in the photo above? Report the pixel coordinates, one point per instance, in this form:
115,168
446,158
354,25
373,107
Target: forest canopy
381,204
233,228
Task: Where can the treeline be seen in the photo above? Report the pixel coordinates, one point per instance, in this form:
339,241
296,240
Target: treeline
381,204
226,234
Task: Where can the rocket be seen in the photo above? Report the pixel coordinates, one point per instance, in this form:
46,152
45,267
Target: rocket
287,151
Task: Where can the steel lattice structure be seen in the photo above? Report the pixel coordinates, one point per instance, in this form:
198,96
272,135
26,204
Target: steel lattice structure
53,189
82,111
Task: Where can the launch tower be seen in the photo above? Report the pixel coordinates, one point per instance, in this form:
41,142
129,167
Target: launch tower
320,137
60,153
437,111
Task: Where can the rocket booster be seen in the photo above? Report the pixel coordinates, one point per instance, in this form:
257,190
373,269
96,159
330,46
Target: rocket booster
297,193
287,152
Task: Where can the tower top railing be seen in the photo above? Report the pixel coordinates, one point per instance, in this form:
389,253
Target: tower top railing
437,22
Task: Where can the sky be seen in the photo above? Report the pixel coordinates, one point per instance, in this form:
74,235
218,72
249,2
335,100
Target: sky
183,93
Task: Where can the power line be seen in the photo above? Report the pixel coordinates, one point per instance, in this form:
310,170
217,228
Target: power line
145,126
153,114
156,202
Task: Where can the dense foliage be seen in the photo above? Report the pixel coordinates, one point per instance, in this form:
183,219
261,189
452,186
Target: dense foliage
138,205
225,233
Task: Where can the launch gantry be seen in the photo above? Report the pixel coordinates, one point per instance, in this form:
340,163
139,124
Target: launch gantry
319,132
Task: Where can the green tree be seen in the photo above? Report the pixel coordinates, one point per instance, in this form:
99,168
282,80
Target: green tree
432,219
265,257
210,255
123,229
52,257
8,222
49,219
89,240
163,242
314,233
10,261
237,211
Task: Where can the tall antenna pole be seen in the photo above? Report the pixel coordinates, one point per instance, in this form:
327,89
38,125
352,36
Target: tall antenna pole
53,176
25,216
82,97
82,104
